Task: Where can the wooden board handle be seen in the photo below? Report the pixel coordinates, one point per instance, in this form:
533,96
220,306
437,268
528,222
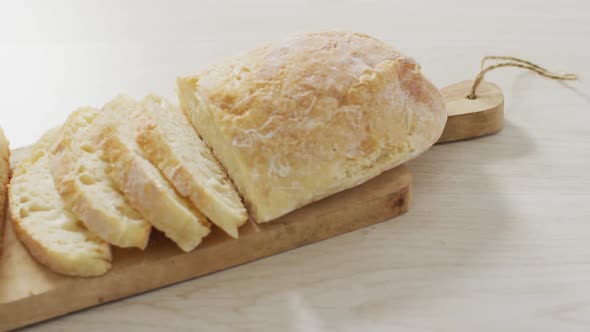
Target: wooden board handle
472,118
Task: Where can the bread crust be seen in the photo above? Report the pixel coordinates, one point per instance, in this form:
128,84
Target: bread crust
313,115
4,176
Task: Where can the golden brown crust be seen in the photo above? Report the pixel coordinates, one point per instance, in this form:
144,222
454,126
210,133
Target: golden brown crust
4,169
316,114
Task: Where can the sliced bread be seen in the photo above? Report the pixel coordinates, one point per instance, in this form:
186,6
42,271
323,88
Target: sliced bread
51,233
80,176
142,184
4,169
169,141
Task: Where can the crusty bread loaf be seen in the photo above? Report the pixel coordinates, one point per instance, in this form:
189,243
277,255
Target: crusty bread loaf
313,115
51,233
4,169
169,141
141,183
81,179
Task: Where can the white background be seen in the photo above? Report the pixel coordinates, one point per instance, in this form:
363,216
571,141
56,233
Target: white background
498,236
58,55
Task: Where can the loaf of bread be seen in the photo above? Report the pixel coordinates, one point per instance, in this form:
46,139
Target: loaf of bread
4,169
169,141
41,220
287,124
299,120
141,182
81,179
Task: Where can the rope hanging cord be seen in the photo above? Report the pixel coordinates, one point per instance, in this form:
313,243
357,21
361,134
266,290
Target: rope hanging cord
515,62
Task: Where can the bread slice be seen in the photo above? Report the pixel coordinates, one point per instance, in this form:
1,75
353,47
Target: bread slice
169,141
4,169
143,185
80,176
51,233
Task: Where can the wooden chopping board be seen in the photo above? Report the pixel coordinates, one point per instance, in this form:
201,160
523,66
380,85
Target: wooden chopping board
30,293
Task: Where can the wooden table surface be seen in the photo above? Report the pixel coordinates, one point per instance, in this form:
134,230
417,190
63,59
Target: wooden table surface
498,237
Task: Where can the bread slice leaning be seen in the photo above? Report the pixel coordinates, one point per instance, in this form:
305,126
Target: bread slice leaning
51,233
143,185
169,141
4,169
80,176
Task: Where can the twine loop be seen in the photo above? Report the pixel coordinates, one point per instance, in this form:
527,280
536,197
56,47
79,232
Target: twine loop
515,62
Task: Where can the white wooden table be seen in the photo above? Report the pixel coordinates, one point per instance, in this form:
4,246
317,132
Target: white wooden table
498,237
